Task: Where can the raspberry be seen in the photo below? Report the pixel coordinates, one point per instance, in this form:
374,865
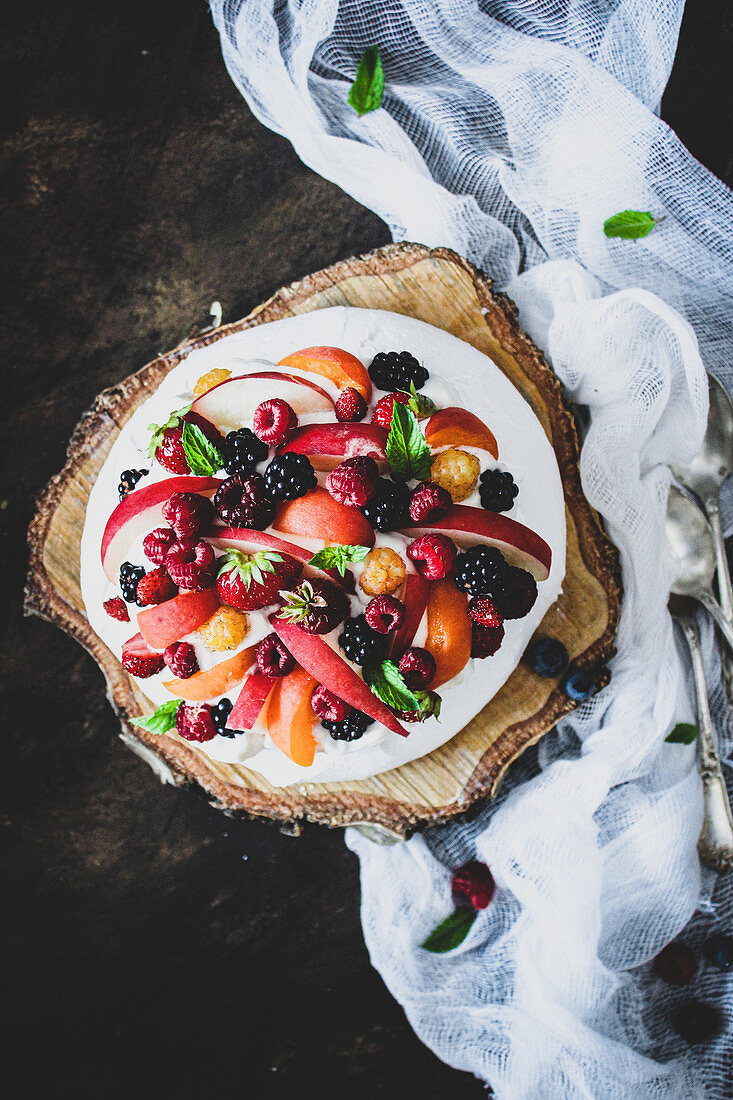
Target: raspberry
188,514
517,594
482,610
243,451
191,564
316,606
430,705
354,481
473,884
116,608
289,476
385,614
433,556
456,471
274,658
350,728
157,544
129,577
140,661
675,964
128,481
387,510
274,421
480,571
360,643
155,587
417,667
383,409
195,723
350,406
226,628
167,442
485,640
328,707
212,378
181,659
384,571
429,502
241,501
395,370
497,490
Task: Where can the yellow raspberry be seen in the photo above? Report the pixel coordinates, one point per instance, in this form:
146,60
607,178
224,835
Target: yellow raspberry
207,381
384,571
457,471
226,628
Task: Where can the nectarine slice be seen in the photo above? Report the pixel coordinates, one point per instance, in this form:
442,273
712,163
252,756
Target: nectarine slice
290,717
339,366
170,621
250,703
415,598
319,516
211,682
453,426
449,630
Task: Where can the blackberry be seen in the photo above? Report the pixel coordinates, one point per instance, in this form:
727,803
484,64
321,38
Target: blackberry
497,490
389,507
360,643
219,715
289,476
242,451
350,728
129,577
128,481
395,370
480,571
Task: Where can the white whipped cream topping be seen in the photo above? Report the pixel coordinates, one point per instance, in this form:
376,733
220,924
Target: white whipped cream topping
459,375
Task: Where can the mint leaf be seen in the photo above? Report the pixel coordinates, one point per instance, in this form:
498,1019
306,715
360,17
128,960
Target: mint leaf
388,684
161,720
684,733
203,457
407,452
338,556
630,224
450,932
366,92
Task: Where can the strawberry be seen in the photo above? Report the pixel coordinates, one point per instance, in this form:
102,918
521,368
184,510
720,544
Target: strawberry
155,587
140,661
251,581
116,608
316,606
350,406
166,443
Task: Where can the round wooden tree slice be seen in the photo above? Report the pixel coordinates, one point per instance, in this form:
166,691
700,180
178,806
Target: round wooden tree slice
433,285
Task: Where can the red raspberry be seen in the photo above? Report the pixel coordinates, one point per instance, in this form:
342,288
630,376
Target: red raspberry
274,421
274,658
191,564
517,593
430,706
485,640
433,555
242,501
417,667
140,661
350,406
116,608
385,614
188,514
155,587
675,964
354,481
181,659
482,610
473,884
157,544
328,707
169,441
429,502
195,723
385,405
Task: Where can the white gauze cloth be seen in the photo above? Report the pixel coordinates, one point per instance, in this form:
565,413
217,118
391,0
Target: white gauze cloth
510,129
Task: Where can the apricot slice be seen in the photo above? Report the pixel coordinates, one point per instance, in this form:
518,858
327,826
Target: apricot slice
290,717
170,621
339,366
211,682
319,516
454,426
449,630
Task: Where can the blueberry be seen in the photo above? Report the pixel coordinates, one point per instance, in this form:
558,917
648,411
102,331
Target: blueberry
579,685
547,657
695,1022
718,950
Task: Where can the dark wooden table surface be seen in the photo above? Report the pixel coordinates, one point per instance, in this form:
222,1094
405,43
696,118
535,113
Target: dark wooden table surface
148,942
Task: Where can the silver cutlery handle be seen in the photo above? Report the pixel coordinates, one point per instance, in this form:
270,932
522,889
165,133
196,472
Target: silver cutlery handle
713,607
712,508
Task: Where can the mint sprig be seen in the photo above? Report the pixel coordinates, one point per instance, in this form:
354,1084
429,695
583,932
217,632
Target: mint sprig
388,684
204,457
161,720
366,92
338,556
684,733
249,567
630,224
451,932
407,452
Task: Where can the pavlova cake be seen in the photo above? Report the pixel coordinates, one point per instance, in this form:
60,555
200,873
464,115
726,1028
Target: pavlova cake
324,543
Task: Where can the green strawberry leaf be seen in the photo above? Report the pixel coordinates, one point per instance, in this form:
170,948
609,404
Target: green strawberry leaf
298,605
451,932
366,92
173,421
407,452
419,403
338,556
388,684
161,720
630,224
249,567
684,733
204,457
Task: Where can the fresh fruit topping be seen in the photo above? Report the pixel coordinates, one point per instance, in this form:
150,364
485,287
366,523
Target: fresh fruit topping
116,608
139,660
433,556
128,481
339,366
188,514
350,728
289,476
580,684
456,427
157,544
449,630
473,884
181,659
187,443
242,501
328,444
155,587
456,471
235,402
250,707
328,707
354,481
217,680
318,516
415,598
696,1022
430,704
417,667
220,715
290,717
483,611
384,571
385,614
486,640
170,621
517,594
480,571
207,381
718,950
274,658
497,490
360,643
350,406
428,502
243,451
129,577
191,564
384,408
274,421
338,557
251,581
316,606
675,964
196,722
226,629
388,508
546,657
397,370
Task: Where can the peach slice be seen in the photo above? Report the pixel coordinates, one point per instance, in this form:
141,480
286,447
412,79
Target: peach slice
452,426
319,516
290,717
449,630
339,366
415,598
211,682
328,444
170,621
247,711
231,404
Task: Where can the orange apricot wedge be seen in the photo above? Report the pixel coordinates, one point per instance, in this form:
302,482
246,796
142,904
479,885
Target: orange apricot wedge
449,630
211,682
339,366
451,427
290,717
317,515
